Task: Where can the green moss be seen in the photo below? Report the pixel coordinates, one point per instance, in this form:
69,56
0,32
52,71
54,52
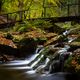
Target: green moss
8,36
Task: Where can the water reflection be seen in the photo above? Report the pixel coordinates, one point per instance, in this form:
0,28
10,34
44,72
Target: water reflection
19,70
31,75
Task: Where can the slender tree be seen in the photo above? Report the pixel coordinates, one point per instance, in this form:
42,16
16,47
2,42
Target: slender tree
79,7
1,4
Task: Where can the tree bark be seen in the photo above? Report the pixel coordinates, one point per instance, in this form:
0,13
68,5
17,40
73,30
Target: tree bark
20,8
78,7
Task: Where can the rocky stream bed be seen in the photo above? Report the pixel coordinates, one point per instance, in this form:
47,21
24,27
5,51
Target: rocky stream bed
37,54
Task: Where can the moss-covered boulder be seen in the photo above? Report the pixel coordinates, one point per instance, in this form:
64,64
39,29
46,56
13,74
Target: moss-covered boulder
73,62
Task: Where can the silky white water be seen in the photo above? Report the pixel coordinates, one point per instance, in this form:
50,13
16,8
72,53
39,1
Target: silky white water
20,70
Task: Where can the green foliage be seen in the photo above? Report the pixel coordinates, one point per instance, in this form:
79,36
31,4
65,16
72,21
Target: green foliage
44,53
8,36
26,41
33,11
72,64
22,27
41,9
78,39
15,40
68,61
41,24
27,25
67,25
41,40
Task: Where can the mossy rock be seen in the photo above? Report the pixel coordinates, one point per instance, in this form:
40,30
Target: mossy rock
78,39
8,36
56,29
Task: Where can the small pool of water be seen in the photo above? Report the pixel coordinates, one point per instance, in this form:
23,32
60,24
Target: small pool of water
18,70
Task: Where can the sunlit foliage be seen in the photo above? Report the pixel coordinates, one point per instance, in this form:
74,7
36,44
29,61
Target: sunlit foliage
34,7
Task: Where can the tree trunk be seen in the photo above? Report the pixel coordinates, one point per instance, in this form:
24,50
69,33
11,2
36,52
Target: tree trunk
20,9
78,7
44,9
1,4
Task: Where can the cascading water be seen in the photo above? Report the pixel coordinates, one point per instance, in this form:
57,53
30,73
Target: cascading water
41,68
60,61
58,64
33,62
38,50
66,32
38,62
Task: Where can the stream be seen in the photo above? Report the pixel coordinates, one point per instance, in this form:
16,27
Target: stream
32,68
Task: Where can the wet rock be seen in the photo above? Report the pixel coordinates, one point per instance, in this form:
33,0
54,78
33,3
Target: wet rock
26,48
54,66
75,44
72,64
52,40
77,50
7,42
56,39
20,50
75,31
7,50
56,29
6,58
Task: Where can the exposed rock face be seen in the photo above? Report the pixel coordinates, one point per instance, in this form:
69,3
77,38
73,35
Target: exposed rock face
75,44
21,45
19,50
7,42
7,49
6,45
27,48
77,51
73,62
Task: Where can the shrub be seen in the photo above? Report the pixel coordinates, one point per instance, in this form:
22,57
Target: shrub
41,24
8,36
23,27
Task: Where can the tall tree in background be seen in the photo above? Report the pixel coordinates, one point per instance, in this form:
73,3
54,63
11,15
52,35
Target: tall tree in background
79,7
1,4
20,6
35,7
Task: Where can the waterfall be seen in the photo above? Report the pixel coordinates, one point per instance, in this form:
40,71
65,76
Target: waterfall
60,60
66,32
41,68
38,50
62,55
39,57
38,61
63,52
23,64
